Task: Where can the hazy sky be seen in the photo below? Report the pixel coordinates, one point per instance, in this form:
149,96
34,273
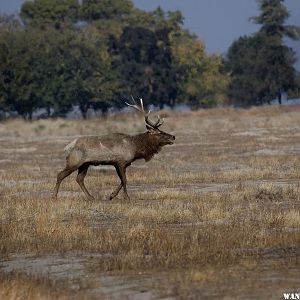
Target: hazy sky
216,22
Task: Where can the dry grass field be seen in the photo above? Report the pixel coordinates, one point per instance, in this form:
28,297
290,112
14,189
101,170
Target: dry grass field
216,215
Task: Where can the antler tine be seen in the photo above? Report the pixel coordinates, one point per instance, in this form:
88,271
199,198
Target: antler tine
133,99
142,104
135,105
160,121
141,109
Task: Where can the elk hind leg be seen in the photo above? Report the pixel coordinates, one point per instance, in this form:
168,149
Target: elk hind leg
82,170
115,192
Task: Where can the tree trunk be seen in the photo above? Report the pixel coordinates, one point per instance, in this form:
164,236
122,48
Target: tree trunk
83,110
279,97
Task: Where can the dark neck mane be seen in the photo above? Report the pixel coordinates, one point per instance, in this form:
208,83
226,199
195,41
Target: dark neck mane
146,146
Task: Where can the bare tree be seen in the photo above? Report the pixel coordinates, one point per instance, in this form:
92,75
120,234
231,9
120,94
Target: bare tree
116,149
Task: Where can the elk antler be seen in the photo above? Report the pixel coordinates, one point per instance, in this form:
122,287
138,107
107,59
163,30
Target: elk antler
141,109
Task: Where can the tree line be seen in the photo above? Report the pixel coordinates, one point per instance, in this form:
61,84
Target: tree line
92,54
261,65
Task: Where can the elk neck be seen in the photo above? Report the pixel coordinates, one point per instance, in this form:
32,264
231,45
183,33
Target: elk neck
146,146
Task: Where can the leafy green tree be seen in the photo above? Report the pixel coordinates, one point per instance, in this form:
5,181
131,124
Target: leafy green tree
272,20
105,9
156,19
92,83
261,66
143,59
78,72
5,72
247,81
110,17
89,53
201,82
55,70
9,25
20,56
43,13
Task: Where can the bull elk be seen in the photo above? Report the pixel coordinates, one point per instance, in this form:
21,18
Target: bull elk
117,149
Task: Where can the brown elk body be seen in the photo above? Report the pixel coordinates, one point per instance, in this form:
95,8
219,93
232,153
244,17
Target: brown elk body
116,149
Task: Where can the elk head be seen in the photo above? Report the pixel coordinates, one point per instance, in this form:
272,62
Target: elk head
160,136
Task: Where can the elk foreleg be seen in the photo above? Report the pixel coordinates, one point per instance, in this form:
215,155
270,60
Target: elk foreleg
82,170
121,171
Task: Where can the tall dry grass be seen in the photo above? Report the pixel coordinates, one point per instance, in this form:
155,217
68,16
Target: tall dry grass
19,286
225,193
